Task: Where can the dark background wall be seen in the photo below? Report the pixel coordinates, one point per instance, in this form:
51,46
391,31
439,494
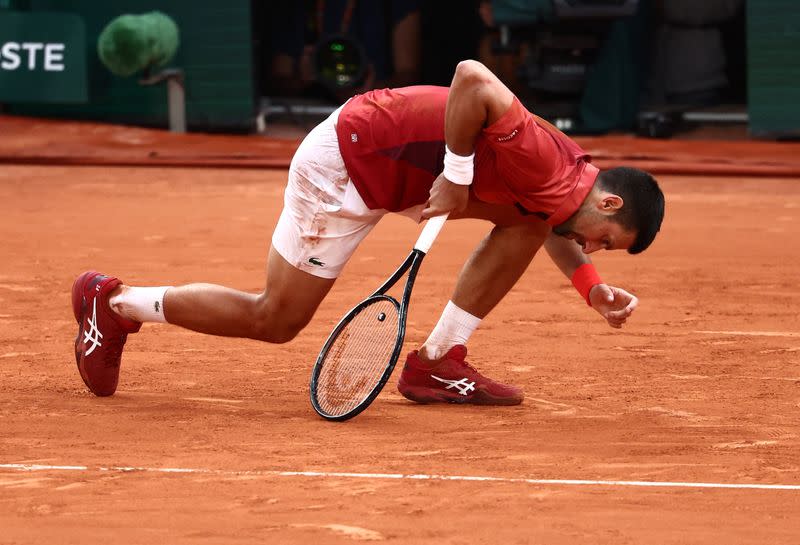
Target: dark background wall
773,66
221,54
216,54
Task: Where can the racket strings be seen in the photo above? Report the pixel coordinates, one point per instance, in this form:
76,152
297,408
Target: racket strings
357,359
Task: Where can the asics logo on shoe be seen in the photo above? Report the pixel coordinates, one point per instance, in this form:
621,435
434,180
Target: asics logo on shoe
92,335
463,386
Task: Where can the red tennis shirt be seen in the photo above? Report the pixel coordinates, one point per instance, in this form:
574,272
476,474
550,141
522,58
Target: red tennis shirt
392,143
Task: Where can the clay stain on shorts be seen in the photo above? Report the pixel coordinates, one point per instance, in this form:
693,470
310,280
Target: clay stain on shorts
319,228
303,182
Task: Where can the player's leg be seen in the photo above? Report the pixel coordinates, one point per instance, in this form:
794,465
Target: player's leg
438,371
276,315
498,262
323,221
490,272
107,311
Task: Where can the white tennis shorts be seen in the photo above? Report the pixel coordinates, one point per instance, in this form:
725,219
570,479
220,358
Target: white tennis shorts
324,218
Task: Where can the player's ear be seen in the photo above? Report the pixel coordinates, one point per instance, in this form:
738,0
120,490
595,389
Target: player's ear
610,203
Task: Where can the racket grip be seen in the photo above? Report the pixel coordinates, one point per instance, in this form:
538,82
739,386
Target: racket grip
429,233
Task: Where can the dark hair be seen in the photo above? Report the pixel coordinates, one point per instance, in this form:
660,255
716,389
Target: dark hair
643,203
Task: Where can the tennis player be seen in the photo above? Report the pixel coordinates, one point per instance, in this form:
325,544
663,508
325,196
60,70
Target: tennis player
471,150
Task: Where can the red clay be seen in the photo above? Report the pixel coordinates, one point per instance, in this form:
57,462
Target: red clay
701,386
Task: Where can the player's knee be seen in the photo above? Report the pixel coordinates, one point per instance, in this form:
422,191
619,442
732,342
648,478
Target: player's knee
277,325
278,335
276,332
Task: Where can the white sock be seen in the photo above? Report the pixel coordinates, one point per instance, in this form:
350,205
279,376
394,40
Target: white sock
140,304
454,327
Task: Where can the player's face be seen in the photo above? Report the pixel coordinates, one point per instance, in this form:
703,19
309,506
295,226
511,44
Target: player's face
596,232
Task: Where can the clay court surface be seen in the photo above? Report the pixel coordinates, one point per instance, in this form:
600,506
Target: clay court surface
212,440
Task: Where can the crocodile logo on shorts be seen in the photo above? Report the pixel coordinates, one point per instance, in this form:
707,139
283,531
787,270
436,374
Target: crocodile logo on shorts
315,261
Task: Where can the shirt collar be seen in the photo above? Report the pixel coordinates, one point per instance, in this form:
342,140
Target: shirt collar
573,201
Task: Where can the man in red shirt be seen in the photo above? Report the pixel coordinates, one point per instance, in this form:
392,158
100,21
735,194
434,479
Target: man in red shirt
471,150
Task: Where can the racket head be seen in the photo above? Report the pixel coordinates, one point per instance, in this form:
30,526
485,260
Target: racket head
358,358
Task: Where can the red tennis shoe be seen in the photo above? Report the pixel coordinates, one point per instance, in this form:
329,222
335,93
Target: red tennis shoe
101,332
453,380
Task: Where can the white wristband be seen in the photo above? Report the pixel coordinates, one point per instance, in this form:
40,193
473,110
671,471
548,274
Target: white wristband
457,168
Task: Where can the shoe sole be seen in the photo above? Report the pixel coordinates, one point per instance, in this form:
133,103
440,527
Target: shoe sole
480,397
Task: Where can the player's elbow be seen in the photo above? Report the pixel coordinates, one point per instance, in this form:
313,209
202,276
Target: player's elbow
471,73
470,66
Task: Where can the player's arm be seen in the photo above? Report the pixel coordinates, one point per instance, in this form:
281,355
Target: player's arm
612,303
477,99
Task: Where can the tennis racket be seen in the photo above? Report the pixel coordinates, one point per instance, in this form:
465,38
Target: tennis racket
362,350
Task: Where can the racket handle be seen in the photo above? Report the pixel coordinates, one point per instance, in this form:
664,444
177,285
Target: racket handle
429,233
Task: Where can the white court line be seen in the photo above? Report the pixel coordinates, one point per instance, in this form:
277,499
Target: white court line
399,476
752,333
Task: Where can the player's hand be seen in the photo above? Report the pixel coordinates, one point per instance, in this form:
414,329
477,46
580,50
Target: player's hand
445,197
613,304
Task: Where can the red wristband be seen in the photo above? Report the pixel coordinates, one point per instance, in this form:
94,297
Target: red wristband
584,278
